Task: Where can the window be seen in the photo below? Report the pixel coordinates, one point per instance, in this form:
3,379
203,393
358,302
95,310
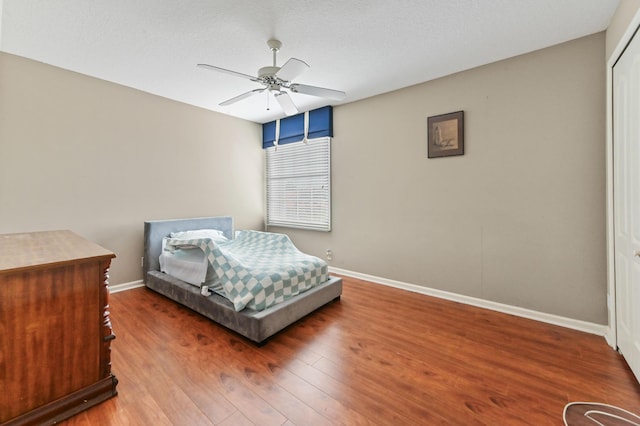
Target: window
299,185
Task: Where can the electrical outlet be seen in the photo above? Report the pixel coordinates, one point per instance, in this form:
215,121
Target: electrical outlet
142,262
329,254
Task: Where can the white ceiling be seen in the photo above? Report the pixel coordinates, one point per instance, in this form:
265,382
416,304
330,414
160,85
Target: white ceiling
362,47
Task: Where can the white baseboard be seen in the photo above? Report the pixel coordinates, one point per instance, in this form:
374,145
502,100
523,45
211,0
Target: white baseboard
125,286
588,327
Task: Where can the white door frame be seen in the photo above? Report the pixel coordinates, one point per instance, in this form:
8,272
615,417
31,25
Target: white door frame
611,335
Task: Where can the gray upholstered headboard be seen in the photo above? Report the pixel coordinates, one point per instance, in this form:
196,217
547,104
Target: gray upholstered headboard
155,230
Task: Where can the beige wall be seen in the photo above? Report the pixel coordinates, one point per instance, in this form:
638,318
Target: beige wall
519,219
619,23
98,158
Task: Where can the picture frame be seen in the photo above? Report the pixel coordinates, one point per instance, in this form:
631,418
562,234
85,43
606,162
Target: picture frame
445,135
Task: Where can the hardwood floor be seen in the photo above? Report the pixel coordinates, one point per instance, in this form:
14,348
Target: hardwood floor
378,356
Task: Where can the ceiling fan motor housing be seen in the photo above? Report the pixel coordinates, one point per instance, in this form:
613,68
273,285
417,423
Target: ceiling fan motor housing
268,71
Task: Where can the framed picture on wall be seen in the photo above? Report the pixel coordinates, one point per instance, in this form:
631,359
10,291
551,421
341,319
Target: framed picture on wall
445,135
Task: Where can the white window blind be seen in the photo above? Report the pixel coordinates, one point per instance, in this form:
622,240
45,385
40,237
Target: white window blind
299,185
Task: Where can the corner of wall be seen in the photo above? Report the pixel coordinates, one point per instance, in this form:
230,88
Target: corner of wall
620,23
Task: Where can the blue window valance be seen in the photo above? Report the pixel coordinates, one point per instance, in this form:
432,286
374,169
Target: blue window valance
292,127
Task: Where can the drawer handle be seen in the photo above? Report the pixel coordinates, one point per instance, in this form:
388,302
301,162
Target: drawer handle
109,337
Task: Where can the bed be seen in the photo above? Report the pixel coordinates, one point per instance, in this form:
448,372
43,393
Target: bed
255,325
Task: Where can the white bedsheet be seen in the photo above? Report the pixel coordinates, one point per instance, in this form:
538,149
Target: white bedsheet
190,265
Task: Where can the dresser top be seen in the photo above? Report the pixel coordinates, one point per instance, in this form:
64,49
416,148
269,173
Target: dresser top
47,248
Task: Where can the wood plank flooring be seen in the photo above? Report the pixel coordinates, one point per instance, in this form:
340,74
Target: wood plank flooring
379,356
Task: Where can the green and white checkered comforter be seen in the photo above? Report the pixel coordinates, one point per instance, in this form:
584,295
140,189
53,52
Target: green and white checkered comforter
259,269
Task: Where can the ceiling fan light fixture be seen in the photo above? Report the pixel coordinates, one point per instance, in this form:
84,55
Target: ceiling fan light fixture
276,79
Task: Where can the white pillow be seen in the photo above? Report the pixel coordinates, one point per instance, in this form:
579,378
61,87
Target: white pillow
199,233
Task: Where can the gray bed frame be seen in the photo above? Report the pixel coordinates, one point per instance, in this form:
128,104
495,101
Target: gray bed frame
256,326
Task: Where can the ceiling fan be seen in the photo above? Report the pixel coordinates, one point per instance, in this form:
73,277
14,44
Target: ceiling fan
277,80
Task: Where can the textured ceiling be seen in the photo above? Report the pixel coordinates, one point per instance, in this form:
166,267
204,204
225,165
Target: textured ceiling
362,47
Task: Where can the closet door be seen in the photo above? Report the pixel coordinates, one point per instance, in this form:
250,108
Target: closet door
626,198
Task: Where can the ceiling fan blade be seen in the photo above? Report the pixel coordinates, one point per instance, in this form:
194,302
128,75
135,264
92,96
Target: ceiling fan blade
241,97
286,103
335,95
226,71
291,69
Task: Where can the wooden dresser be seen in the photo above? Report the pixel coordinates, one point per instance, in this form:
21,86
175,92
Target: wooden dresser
55,330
